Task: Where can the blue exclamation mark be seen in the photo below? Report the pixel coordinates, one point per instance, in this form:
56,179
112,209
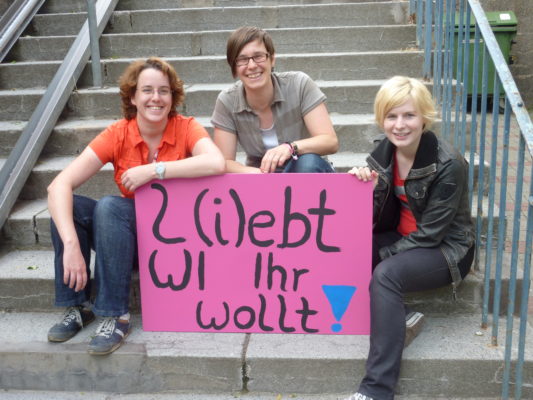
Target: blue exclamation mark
339,297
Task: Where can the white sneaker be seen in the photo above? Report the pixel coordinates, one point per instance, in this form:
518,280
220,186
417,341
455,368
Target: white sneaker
358,396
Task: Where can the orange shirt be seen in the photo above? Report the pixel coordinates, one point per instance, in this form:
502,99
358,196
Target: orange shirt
122,145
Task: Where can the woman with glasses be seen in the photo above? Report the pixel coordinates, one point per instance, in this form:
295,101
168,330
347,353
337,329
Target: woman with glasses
152,142
279,119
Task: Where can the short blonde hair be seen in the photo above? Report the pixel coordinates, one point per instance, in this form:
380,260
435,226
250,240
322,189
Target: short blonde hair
396,91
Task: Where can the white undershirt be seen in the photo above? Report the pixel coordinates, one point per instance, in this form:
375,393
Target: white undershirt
270,137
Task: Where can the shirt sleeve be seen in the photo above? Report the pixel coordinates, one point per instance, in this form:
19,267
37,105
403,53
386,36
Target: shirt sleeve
222,117
103,145
310,94
196,131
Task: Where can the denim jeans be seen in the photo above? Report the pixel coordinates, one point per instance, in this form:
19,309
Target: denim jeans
410,271
108,227
309,162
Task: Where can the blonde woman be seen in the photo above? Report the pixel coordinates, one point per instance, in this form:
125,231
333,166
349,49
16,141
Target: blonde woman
423,236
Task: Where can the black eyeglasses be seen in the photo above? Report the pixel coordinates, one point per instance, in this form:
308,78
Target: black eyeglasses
258,59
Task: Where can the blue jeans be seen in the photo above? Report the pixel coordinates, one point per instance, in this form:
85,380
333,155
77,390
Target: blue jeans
309,162
409,271
108,227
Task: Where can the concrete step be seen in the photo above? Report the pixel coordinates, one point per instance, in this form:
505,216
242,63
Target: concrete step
60,6
27,285
28,222
185,44
71,136
103,183
55,395
228,363
229,18
214,69
356,132
344,97
48,167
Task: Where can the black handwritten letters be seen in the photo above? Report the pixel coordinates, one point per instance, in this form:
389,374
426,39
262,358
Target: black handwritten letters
271,234
289,218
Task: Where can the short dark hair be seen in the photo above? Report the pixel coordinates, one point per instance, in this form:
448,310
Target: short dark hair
128,84
240,38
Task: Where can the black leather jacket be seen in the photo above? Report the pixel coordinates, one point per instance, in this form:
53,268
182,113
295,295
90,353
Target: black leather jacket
437,193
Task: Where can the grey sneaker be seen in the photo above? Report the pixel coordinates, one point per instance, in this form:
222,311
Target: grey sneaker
109,336
73,320
358,396
414,321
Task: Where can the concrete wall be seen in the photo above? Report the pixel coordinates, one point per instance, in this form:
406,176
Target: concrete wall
522,50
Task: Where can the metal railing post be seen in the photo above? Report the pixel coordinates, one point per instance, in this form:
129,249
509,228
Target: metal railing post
450,51
95,47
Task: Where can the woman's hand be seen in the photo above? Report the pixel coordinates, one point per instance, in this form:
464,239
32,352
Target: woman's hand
138,176
275,157
74,268
364,174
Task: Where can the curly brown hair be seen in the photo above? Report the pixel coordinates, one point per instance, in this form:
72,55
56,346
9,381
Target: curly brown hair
128,84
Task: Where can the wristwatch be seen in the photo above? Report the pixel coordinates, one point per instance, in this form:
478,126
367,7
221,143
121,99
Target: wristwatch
294,148
160,170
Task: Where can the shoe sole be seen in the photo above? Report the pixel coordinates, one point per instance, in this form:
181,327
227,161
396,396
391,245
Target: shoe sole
111,350
413,320
56,339
413,328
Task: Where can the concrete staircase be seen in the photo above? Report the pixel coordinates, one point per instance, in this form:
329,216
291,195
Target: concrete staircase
349,48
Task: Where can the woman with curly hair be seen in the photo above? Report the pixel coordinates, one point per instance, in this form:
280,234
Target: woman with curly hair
153,141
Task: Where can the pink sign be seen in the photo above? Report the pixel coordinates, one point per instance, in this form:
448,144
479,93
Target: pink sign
272,253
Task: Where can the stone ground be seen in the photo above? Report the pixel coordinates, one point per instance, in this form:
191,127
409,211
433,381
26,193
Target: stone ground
28,395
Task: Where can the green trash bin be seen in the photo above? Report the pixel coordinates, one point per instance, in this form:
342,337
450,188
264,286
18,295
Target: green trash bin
503,24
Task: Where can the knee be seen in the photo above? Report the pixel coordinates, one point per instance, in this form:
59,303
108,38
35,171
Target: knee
114,213
83,209
106,207
384,276
310,163
110,209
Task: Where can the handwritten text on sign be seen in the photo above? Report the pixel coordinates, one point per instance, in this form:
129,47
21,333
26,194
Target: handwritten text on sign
280,253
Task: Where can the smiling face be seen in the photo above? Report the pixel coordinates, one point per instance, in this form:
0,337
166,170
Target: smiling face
254,75
152,97
404,126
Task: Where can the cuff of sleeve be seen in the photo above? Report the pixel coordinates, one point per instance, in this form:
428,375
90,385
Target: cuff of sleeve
384,252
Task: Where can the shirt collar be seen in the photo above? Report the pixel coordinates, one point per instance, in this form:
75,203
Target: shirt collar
134,133
136,138
426,153
168,136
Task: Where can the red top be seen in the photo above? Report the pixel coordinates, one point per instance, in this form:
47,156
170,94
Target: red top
407,219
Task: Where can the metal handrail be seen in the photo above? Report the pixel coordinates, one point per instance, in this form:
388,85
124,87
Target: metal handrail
452,75
24,155
14,21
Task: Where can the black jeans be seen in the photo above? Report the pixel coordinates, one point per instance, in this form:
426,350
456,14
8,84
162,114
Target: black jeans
409,271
